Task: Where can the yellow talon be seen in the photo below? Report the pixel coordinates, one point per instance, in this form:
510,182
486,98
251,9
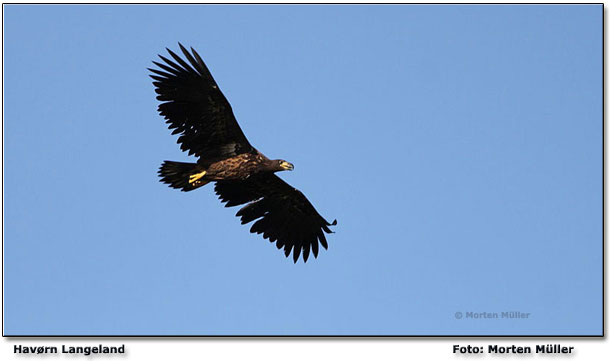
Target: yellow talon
196,177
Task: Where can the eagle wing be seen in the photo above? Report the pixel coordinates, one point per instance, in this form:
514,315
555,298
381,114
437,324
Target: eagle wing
196,109
284,215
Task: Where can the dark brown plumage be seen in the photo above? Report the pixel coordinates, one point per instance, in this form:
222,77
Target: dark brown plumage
196,110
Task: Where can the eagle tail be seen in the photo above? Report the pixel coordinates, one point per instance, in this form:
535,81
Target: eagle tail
183,176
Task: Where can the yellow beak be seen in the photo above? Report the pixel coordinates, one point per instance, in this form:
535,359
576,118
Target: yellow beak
287,166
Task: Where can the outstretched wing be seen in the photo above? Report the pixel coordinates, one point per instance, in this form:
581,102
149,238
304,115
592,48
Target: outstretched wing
284,215
195,108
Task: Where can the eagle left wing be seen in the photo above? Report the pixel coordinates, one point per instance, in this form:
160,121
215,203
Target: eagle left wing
284,215
195,108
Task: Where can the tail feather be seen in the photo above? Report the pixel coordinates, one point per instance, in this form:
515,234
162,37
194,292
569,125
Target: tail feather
177,174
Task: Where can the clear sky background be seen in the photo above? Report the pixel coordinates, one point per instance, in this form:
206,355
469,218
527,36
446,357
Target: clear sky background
459,148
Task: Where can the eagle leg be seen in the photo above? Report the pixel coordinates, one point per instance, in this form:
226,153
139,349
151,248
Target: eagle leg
194,178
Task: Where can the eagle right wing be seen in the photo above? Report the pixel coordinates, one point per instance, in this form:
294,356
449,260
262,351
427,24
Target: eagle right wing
196,109
282,213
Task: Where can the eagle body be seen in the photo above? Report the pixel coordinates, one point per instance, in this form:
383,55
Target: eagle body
196,110
241,166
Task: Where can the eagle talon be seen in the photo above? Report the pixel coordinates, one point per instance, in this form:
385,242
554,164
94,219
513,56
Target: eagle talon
194,178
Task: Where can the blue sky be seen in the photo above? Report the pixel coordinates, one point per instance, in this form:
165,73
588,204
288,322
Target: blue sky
459,148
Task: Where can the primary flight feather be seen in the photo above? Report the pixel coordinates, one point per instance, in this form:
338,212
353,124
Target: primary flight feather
195,108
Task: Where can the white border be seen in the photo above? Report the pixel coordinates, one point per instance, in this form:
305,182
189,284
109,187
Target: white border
313,349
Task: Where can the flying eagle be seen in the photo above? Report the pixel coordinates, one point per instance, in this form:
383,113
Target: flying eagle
196,110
